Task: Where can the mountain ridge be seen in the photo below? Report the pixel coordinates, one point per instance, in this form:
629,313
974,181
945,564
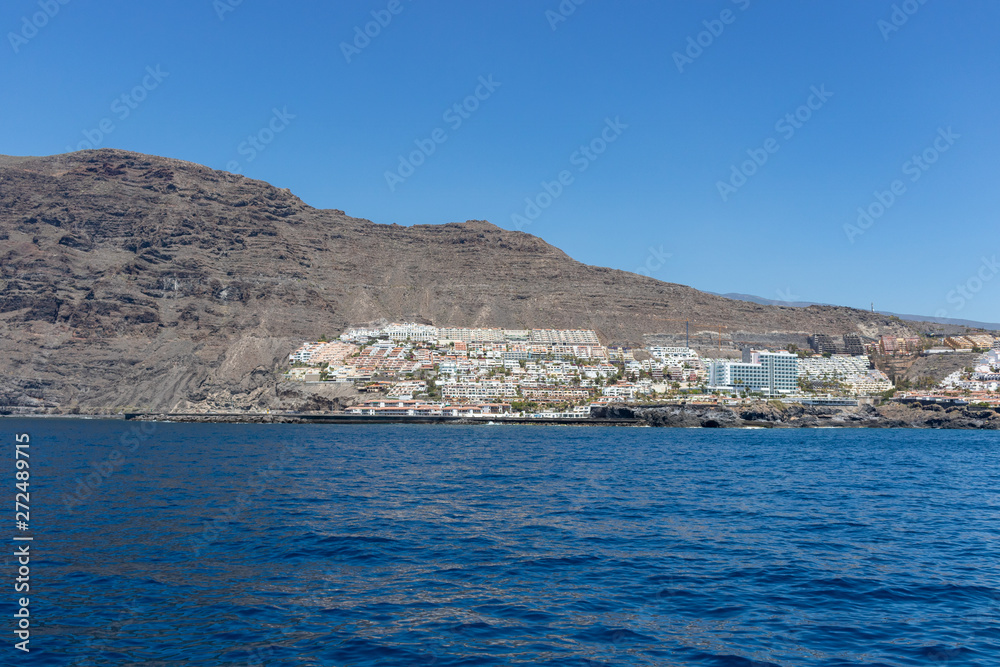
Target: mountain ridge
173,285
995,326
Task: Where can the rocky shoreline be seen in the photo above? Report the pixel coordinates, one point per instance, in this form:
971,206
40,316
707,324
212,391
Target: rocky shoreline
774,414
759,414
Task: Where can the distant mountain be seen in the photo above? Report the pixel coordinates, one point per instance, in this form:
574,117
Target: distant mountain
135,280
770,302
972,324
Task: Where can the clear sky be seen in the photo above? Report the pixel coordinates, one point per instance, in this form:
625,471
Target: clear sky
666,98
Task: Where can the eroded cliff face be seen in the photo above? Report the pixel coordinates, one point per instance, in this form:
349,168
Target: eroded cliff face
133,280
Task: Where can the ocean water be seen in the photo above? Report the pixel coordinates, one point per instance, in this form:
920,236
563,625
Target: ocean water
503,545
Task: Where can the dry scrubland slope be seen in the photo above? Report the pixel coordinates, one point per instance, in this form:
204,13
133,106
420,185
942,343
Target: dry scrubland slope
136,280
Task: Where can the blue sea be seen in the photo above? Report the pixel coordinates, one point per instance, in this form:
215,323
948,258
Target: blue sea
178,544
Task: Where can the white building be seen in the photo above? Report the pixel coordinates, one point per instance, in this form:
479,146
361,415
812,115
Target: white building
411,331
769,373
874,382
467,335
483,389
839,367
360,334
306,353
564,337
853,371
670,353
627,390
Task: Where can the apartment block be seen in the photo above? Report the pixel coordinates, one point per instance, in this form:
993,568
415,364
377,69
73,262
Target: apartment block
770,373
483,389
854,345
564,337
822,344
556,394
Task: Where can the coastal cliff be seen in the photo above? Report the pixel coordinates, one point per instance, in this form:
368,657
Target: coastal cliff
136,281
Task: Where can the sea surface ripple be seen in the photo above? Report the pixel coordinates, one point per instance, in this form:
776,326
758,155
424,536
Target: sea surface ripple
500,545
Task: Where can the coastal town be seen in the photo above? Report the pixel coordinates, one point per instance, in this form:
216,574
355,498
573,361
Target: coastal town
412,369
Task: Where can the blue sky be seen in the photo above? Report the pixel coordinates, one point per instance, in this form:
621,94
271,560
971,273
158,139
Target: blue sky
664,121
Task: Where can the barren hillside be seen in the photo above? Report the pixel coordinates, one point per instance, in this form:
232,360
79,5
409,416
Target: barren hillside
133,280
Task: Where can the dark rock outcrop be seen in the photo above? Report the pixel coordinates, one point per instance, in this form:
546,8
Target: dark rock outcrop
774,414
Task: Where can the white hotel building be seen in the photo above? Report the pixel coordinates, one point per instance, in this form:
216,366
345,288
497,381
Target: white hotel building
411,331
770,373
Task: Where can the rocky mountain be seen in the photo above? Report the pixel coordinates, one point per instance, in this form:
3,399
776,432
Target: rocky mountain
140,281
951,324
